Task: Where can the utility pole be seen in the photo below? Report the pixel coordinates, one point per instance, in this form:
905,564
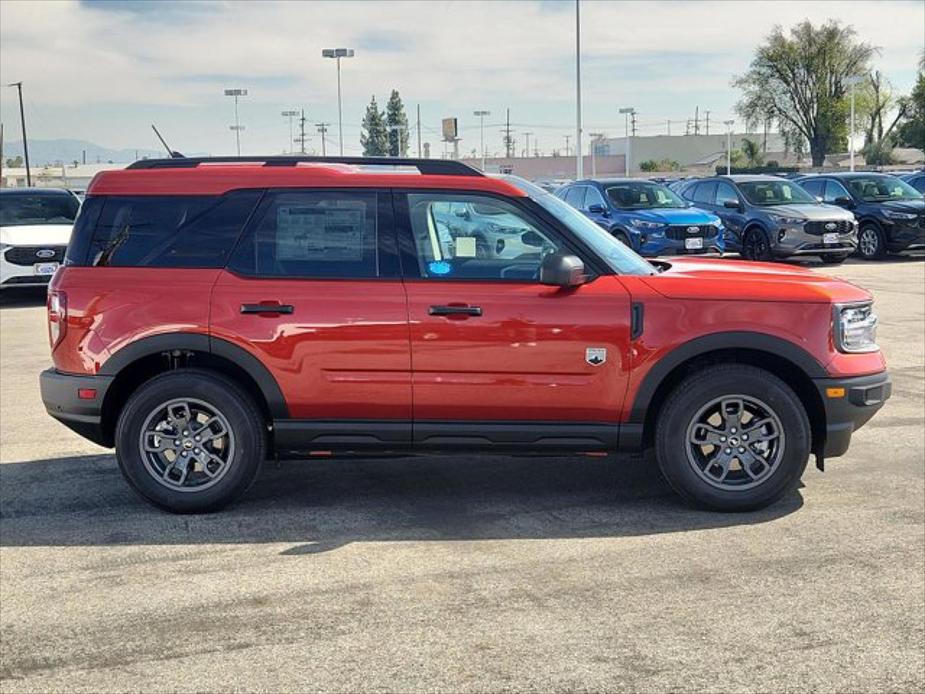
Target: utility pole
595,138
567,150
728,124
579,155
290,114
508,140
669,127
696,120
527,145
633,122
627,151
481,114
708,123
323,129
302,139
25,142
419,131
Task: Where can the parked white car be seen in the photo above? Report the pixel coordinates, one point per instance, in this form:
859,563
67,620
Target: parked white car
35,226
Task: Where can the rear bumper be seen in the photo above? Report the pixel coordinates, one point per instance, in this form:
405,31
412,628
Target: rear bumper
863,397
60,393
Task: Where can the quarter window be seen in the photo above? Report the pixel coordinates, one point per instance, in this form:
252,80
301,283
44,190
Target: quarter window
494,241
312,234
813,186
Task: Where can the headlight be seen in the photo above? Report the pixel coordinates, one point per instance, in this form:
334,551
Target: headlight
893,214
855,327
788,221
642,224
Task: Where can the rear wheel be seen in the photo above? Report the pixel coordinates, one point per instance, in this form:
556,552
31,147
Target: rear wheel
732,438
871,242
190,441
755,245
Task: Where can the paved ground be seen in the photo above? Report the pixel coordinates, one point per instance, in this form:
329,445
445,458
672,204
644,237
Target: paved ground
465,574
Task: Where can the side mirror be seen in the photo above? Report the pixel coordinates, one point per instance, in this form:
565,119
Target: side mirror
597,208
732,205
531,238
844,202
562,269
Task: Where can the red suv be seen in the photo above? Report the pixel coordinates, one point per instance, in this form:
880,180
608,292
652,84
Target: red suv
212,313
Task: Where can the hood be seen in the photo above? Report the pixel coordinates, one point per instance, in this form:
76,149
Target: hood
729,280
914,206
813,211
678,215
36,235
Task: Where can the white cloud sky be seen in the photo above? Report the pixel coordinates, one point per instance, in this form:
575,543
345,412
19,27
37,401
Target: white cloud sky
103,71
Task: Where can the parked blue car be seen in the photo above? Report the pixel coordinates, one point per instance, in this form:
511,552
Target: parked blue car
646,216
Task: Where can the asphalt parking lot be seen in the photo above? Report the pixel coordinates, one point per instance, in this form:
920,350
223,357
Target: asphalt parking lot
465,573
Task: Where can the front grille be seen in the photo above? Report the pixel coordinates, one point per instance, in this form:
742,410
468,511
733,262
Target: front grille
35,279
842,226
26,255
680,232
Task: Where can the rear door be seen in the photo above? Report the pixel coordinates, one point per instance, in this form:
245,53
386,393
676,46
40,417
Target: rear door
313,291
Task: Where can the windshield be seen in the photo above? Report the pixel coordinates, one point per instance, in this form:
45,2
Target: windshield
774,193
20,209
643,195
619,257
876,188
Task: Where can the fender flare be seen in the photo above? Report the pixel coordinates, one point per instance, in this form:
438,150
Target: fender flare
711,343
199,342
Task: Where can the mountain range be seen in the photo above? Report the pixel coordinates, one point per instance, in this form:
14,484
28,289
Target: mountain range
67,151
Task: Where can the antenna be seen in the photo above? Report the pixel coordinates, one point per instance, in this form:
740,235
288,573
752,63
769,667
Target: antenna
171,153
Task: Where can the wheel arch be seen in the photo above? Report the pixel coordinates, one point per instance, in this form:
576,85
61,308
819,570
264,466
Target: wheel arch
789,362
143,359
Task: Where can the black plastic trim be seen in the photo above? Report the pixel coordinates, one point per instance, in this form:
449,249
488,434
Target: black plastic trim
864,396
59,395
637,319
438,167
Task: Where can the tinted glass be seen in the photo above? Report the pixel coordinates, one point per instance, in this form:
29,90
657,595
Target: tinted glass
918,183
575,197
769,193
593,197
452,247
317,234
879,188
642,195
20,209
170,231
813,186
833,191
704,192
725,192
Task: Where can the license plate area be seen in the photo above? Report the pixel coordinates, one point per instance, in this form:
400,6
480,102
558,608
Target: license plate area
44,269
694,244
829,239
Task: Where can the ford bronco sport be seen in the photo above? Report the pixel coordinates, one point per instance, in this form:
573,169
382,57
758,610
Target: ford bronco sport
213,313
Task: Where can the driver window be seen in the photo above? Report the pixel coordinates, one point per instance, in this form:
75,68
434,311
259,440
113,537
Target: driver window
593,197
833,191
476,237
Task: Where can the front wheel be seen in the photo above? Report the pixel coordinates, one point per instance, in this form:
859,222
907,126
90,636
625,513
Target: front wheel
732,438
755,245
871,243
190,441
621,237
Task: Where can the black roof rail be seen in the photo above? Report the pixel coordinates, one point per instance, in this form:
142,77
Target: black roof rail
439,167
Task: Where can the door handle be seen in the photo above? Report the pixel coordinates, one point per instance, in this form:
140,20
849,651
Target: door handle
267,308
455,311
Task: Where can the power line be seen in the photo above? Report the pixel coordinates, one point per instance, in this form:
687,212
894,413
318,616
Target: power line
323,129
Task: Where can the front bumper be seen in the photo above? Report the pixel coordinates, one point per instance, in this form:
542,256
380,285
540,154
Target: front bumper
860,398
659,245
793,240
22,273
903,235
61,395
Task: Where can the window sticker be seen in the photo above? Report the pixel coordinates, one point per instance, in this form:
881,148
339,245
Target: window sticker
321,233
465,247
439,267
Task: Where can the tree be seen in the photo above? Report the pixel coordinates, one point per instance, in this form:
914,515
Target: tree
751,150
15,163
911,133
374,137
397,123
799,81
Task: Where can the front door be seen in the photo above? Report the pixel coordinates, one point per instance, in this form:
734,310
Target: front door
498,357
313,291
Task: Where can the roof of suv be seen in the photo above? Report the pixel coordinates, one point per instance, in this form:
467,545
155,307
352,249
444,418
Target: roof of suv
214,176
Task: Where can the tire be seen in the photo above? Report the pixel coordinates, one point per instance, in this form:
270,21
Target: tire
834,258
871,242
755,246
621,237
224,464
725,484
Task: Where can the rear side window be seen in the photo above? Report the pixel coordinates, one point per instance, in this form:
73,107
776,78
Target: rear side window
576,197
169,231
312,234
813,186
704,192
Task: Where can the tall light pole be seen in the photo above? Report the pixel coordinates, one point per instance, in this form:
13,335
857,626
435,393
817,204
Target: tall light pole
337,54
579,155
290,114
237,127
728,124
852,81
481,115
595,138
627,151
25,143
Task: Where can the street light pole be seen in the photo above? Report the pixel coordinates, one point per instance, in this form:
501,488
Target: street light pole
851,83
25,143
627,151
728,124
579,155
337,54
291,115
481,115
237,127
595,138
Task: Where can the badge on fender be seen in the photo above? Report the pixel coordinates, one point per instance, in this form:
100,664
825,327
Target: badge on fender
596,356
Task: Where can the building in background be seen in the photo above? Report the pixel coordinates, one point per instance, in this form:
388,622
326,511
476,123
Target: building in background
689,151
550,168
55,175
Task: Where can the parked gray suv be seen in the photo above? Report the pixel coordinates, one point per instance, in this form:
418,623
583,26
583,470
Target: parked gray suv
767,217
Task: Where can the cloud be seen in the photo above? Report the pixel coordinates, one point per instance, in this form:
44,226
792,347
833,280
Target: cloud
111,67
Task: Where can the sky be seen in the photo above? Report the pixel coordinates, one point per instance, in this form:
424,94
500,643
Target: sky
104,70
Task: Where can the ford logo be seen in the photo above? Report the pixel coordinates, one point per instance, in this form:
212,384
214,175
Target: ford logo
693,230
831,226
45,253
